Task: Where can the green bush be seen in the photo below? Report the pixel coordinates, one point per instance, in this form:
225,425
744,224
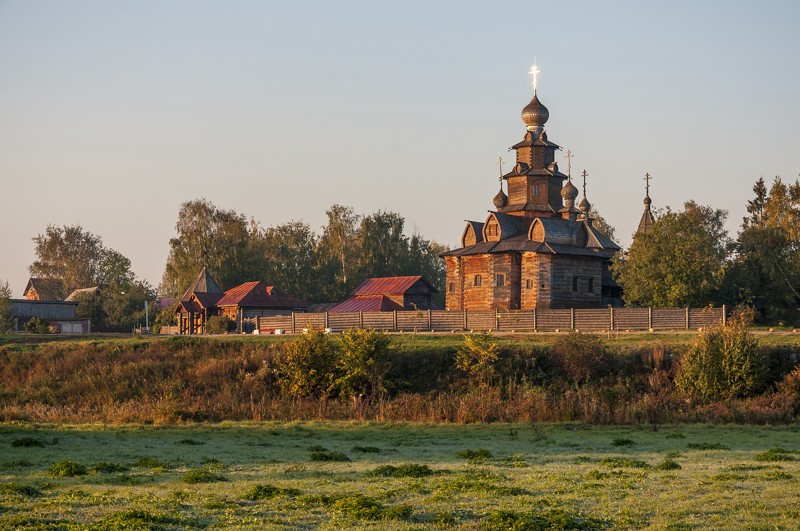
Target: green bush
67,469
36,325
477,455
20,490
104,467
722,362
408,470
360,507
478,357
775,454
202,475
218,324
264,492
363,362
668,464
307,365
27,442
328,456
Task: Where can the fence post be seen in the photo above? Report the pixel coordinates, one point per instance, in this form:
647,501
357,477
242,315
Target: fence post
465,319
724,315
294,323
430,325
394,320
611,309
534,320
497,320
687,318
649,317
361,320
326,320
572,318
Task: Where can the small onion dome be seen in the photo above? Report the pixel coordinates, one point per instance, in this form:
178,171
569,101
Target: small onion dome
500,200
535,114
569,192
585,206
647,201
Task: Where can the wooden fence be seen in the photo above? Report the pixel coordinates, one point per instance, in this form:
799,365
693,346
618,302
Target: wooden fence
606,319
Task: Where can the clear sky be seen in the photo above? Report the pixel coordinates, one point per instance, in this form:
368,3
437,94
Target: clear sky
113,113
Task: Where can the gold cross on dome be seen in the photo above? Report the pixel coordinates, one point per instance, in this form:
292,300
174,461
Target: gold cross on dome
500,163
647,183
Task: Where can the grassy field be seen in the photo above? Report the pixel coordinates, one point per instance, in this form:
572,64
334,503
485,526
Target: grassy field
398,476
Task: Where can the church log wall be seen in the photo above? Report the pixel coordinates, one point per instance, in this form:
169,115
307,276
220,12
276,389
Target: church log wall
571,279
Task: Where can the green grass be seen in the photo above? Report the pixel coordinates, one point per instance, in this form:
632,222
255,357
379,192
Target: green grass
549,476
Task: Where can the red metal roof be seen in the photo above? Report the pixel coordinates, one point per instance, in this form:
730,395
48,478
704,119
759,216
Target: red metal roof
257,293
391,285
367,303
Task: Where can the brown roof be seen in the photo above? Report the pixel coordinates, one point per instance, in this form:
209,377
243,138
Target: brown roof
206,300
88,291
258,294
47,289
367,303
382,285
204,283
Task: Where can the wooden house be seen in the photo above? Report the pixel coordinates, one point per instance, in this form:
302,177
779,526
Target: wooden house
535,249
44,289
242,304
388,294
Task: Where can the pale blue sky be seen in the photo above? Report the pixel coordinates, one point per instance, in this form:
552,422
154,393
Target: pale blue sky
112,113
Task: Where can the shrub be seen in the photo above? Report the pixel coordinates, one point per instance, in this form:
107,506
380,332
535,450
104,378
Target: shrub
27,442
477,455
263,492
668,464
408,470
20,490
707,446
328,456
36,325
308,364
367,449
722,362
6,316
775,454
623,462
478,358
137,519
218,324
621,441
151,463
582,358
364,362
104,467
551,519
202,475
67,469
360,507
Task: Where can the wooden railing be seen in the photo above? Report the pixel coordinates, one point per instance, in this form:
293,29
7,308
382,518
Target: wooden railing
605,319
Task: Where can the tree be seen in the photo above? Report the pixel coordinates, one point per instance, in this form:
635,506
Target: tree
69,254
289,258
678,263
219,240
764,272
723,362
600,223
364,362
337,252
6,317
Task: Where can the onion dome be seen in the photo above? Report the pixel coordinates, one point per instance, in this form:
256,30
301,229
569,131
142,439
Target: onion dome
647,202
569,192
535,114
500,200
585,206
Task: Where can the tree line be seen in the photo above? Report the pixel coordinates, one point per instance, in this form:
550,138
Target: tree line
688,258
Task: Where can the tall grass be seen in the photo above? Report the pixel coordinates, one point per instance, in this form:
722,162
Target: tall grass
196,379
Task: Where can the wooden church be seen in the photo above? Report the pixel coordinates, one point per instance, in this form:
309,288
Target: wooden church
536,249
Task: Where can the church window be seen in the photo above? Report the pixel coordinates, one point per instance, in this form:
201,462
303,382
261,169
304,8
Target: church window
574,283
528,284
452,287
500,280
477,281
591,285
537,190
